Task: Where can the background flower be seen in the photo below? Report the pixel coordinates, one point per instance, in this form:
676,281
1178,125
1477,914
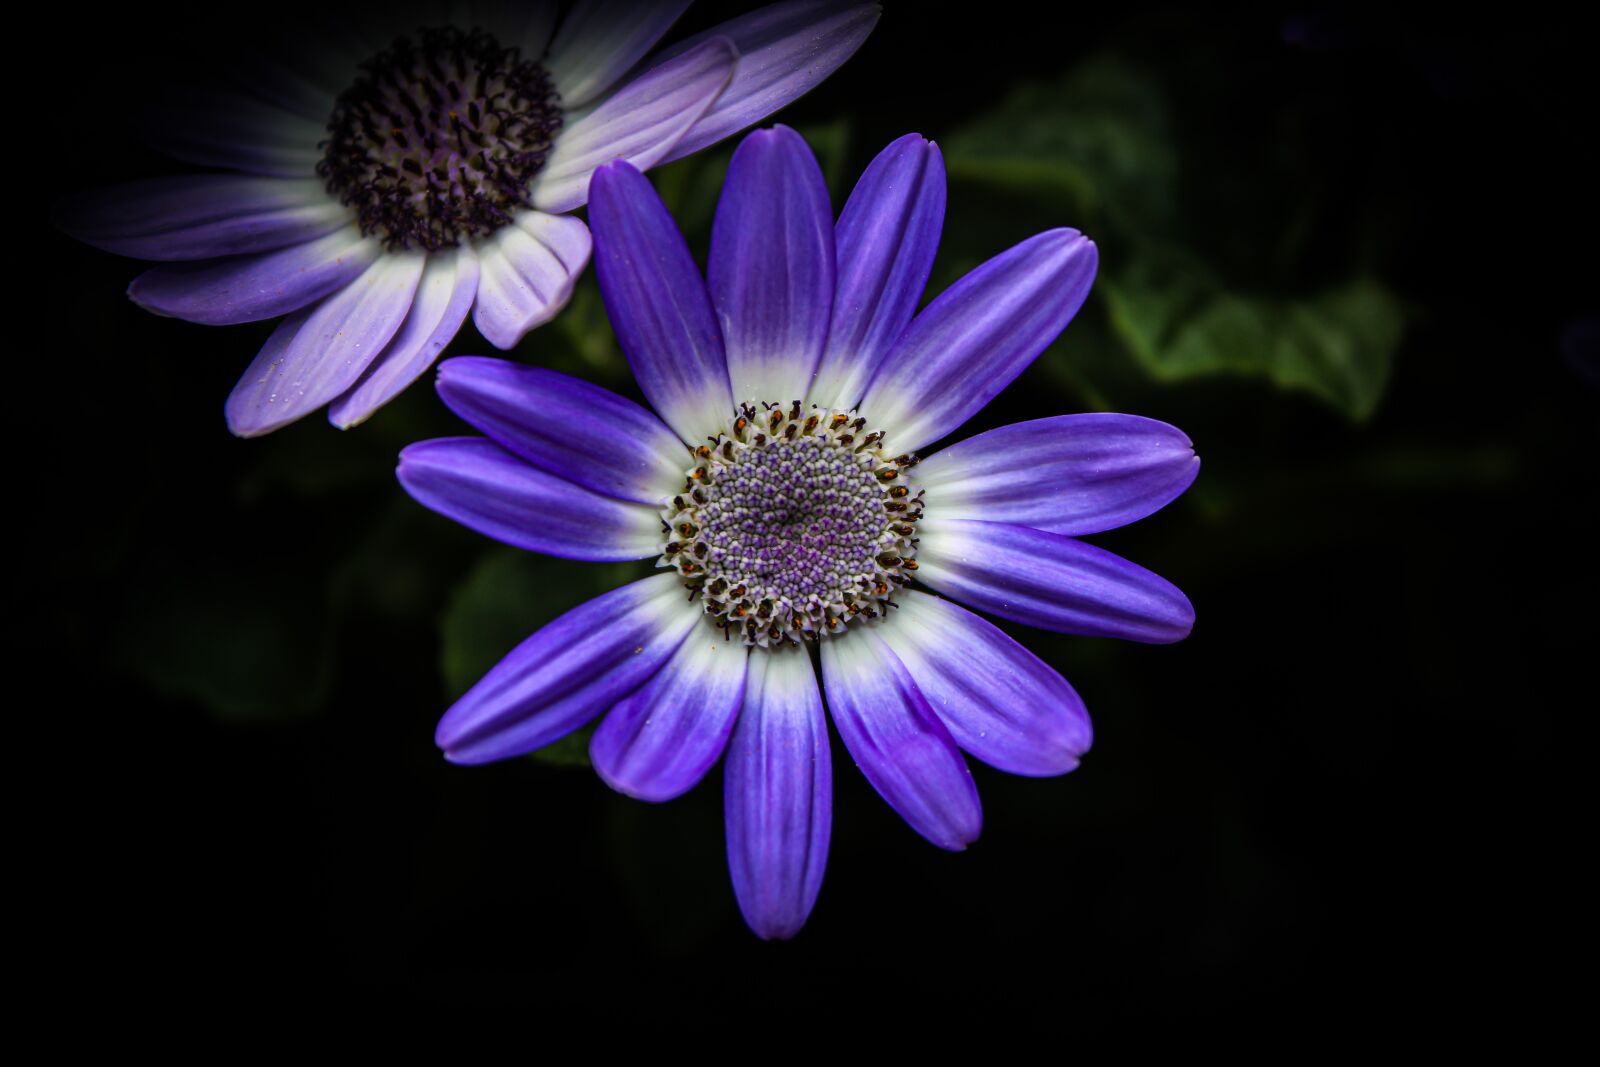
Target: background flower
788,501
422,164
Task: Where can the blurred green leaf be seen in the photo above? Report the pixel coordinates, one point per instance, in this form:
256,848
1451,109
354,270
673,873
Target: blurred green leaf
506,597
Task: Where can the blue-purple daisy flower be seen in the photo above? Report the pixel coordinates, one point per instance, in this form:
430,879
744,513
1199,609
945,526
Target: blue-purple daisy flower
780,487
390,180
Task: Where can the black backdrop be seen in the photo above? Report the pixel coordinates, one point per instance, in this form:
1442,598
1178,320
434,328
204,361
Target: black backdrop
1339,801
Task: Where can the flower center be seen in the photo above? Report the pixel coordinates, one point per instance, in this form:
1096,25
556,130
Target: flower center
439,138
794,524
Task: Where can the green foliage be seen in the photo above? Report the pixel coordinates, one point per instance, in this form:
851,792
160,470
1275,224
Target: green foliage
1100,149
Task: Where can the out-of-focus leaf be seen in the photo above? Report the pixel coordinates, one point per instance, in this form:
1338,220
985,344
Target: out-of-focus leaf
504,598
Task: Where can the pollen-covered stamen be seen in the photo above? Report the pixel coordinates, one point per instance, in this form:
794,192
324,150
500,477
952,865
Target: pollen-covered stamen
793,523
439,138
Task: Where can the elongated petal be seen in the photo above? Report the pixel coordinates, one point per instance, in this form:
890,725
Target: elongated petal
772,266
222,292
887,236
201,216
525,23
501,495
977,336
218,127
659,742
785,50
567,426
778,792
1050,581
569,671
898,741
600,39
526,274
638,123
1000,702
1072,474
316,354
445,294
658,304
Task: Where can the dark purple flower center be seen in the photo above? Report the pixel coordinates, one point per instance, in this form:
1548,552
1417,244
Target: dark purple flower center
794,524
439,138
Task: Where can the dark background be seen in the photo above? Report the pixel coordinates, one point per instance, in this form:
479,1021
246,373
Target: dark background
1338,804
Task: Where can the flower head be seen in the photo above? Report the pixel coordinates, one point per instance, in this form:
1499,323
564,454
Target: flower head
414,174
781,490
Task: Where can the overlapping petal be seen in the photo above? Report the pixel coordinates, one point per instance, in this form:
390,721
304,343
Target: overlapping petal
1049,581
977,336
317,354
568,672
600,39
771,273
1000,702
567,426
887,236
898,742
778,794
218,127
1072,474
526,274
638,123
658,304
202,216
659,742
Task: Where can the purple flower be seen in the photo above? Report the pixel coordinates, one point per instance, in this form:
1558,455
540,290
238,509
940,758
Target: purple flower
406,176
781,489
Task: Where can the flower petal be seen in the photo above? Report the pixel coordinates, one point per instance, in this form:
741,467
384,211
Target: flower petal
1050,581
222,292
526,24
316,354
887,236
1000,702
898,741
638,123
218,127
1072,474
569,671
785,50
445,294
201,216
772,266
778,794
977,336
658,304
659,742
527,273
567,426
501,495
600,39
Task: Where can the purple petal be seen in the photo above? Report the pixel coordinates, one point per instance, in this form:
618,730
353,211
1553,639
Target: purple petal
785,50
218,127
222,292
569,671
658,304
772,266
316,354
600,39
201,216
444,296
1000,702
637,123
659,742
897,740
977,336
567,426
778,793
501,495
1072,474
1050,581
887,236
526,274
